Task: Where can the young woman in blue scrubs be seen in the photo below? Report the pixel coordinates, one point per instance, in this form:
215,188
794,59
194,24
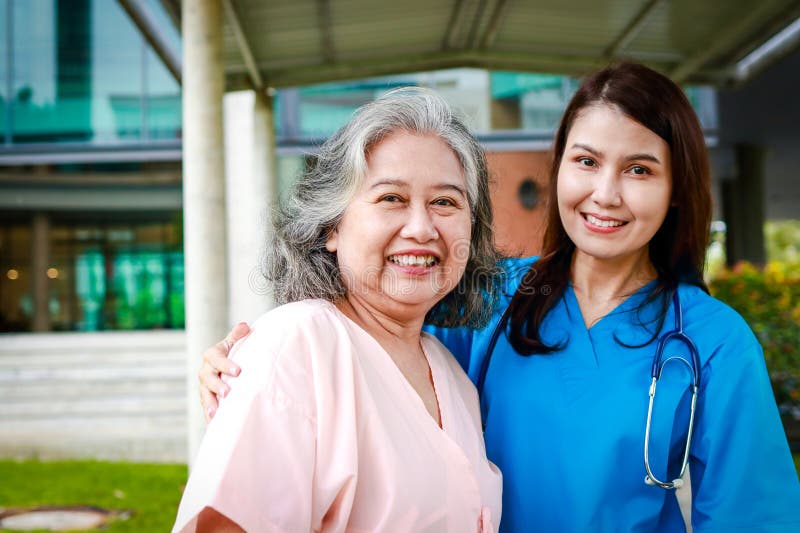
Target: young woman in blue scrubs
565,391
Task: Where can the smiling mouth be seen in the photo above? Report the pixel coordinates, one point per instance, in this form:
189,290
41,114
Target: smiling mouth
414,260
611,223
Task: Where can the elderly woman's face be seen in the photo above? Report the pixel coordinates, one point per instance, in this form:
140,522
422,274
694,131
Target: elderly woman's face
403,242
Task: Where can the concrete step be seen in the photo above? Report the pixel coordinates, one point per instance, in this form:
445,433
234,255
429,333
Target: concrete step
41,343
145,405
130,438
92,374
95,427
82,358
112,395
34,390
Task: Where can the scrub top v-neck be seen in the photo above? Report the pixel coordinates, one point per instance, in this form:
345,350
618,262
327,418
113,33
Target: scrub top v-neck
567,428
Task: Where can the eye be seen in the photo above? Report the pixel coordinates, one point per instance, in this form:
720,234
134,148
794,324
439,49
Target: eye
390,198
587,162
446,202
640,170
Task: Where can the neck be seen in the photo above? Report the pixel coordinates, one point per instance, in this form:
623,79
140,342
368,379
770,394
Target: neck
610,279
383,327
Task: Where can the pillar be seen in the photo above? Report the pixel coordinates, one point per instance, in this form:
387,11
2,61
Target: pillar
251,191
743,207
40,262
203,195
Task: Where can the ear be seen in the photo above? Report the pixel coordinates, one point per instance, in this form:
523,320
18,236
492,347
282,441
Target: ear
333,241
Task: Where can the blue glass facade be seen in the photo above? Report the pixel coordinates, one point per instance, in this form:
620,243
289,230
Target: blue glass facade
79,71
78,75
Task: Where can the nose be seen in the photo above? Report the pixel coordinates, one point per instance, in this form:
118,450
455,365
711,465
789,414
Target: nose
420,225
607,191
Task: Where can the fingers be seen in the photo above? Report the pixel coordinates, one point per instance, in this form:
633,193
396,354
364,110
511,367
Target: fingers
218,357
209,402
211,381
239,331
215,358
216,362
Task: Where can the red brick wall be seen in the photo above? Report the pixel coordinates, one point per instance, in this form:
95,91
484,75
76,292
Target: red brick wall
518,231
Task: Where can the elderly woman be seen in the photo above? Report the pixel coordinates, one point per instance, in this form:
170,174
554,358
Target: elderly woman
346,416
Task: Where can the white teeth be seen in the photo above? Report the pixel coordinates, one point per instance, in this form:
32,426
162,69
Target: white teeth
603,223
413,260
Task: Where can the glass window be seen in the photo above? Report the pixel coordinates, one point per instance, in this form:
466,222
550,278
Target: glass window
167,25
4,79
101,274
117,74
46,100
83,72
15,294
325,108
704,102
532,102
163,105
117,276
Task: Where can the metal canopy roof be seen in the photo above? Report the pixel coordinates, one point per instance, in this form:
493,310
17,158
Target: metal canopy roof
278,43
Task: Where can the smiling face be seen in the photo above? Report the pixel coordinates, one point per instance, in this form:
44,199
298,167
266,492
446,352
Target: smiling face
614,185
403,242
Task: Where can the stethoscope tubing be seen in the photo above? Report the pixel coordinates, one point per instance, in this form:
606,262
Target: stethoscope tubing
677,334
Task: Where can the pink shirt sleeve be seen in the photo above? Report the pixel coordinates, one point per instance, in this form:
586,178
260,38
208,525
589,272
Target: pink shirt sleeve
256,461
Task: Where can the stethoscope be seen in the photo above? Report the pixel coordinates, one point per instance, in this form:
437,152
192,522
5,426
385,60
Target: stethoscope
676,335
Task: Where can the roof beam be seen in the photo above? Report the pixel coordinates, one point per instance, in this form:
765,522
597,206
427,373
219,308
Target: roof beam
727,39
143,18
633,28
326,33
472,39
173,9
776,41
244,47
401,63
454,25
498,15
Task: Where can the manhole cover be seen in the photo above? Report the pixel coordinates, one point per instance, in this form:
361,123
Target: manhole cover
57,518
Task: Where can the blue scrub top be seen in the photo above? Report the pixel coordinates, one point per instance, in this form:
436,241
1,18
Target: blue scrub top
567,429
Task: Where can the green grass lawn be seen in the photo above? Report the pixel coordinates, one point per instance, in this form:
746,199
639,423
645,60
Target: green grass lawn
150,491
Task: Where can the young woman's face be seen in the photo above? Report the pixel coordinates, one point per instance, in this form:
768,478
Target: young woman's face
614,185
404,240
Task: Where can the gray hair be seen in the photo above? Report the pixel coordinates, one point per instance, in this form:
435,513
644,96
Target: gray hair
297,262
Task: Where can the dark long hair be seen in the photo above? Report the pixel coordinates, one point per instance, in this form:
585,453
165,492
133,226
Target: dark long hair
677,250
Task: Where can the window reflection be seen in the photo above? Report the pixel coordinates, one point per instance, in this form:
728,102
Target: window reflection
100,276
83,73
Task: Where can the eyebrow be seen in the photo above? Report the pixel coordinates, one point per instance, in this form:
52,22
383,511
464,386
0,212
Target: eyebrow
632,157
403,183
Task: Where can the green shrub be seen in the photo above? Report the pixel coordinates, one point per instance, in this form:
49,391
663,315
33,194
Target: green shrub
769,300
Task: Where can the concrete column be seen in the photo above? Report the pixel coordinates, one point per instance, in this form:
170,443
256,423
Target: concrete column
251,190
205,249
743,207
40,262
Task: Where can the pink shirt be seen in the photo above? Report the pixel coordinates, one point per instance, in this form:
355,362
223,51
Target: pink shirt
322,432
